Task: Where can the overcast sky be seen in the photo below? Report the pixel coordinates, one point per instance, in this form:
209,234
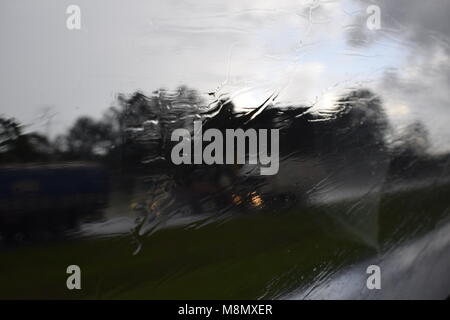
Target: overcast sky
310,50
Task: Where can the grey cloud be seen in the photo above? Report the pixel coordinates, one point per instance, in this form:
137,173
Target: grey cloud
420,23
421,30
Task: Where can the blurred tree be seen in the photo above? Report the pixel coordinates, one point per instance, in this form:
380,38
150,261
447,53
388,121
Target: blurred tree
411,149
16,146
144,123
10,131
360,125
88,138
413,141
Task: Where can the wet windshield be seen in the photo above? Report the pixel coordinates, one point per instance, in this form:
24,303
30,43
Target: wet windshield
225,149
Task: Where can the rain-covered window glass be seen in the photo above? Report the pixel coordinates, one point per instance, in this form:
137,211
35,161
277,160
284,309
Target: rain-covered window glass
243,149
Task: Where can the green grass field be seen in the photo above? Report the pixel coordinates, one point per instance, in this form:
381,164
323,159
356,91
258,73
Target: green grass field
259,255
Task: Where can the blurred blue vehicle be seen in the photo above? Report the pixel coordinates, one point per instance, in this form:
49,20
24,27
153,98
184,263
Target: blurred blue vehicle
49,196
